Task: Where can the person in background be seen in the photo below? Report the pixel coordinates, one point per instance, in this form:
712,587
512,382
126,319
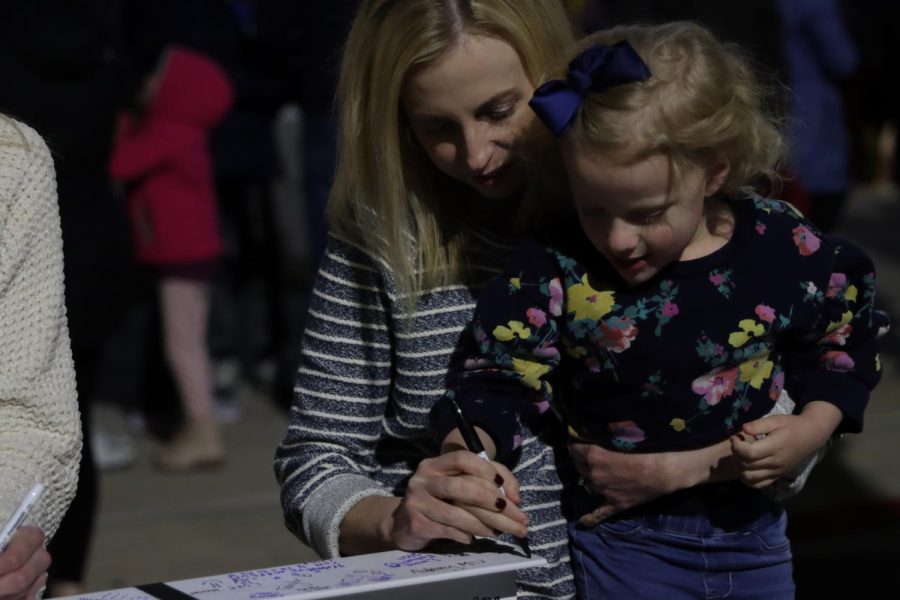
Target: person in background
163,158
40,433
820,57
664,136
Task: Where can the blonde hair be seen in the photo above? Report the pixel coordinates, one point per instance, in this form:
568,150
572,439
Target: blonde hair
387,195
701,101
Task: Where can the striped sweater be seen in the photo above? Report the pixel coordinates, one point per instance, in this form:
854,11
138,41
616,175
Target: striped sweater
365,385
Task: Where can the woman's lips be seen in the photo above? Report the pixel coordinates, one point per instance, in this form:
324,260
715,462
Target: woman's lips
492,179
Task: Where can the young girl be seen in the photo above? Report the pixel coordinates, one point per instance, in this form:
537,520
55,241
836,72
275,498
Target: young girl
164,159
680,310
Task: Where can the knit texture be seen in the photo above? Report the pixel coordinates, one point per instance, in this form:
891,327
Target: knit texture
366,382
40,432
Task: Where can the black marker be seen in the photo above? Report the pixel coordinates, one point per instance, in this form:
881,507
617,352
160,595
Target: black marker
470,437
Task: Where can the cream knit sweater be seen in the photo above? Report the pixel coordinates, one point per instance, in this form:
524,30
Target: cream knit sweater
40,431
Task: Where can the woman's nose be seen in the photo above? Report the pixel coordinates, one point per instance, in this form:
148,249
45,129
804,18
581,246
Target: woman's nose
477,148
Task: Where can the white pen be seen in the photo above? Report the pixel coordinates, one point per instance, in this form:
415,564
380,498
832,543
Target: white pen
21,513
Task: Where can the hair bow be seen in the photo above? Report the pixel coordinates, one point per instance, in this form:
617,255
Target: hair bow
597,68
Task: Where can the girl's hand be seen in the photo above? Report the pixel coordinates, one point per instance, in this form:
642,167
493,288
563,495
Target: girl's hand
789,440
456,496
23,565
626,480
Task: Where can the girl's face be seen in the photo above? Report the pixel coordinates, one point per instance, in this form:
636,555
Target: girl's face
468,110
634,216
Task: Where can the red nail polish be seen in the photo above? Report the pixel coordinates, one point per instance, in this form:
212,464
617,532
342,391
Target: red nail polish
498,479
500,503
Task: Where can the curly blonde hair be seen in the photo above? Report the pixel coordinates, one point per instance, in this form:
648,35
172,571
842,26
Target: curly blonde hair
701,101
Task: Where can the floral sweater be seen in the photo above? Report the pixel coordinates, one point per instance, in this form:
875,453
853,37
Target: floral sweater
680,361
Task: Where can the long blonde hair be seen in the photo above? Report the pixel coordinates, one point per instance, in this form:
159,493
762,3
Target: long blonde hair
387,195
702,99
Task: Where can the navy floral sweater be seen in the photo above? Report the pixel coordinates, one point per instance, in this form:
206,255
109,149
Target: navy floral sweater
684,359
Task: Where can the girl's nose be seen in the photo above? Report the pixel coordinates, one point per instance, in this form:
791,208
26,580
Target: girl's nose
622,238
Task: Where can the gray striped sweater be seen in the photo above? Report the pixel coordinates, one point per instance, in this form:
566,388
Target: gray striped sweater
365,385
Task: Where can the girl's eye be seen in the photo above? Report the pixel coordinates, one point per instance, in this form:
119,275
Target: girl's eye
649,218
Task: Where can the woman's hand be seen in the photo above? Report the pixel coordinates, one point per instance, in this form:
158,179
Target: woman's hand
457,496
23,565
626,479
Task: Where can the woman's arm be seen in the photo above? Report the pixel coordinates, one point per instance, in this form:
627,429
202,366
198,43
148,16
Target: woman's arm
41,437
327,464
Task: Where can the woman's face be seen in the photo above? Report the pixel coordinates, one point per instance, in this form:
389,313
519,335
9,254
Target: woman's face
468,110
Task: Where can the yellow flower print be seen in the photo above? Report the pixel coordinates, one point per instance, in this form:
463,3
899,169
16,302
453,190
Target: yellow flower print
516,329
756,370
851,293
877,362
530,371
678,424
845,318
588,303
749,329
516,282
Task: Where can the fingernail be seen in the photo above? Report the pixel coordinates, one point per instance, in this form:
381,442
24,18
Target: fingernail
500,503
498,479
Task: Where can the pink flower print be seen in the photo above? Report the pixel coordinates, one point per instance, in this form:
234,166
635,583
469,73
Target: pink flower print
716,279
716,384
556,297
536,317
616,334
593,364
627,431
838,361
765,313
806,240
542,406
760,228
836,285
669,309
546,352
777,386
839,336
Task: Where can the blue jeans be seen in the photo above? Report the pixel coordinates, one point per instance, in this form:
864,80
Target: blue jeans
739,551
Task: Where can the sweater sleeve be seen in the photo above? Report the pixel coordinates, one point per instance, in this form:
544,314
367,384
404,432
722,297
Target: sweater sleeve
516,332
40,432
842,366
140,149
326,462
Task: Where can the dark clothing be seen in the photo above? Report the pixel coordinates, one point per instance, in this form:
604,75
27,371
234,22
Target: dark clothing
683,360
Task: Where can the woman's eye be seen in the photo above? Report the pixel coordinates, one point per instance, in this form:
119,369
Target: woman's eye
500,114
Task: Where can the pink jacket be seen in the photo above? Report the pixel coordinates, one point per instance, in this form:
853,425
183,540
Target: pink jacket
165,161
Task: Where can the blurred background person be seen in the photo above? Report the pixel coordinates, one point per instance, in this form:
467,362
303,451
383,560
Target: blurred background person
162,156
819,59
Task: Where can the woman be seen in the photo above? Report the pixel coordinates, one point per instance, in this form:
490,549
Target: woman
40,437
430,194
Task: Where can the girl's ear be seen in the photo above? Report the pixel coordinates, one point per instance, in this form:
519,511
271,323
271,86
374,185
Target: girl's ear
716,175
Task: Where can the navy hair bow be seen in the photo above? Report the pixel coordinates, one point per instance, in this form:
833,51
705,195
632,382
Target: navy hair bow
597,68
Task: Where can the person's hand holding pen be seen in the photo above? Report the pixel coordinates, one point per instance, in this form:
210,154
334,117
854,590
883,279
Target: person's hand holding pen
23,565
